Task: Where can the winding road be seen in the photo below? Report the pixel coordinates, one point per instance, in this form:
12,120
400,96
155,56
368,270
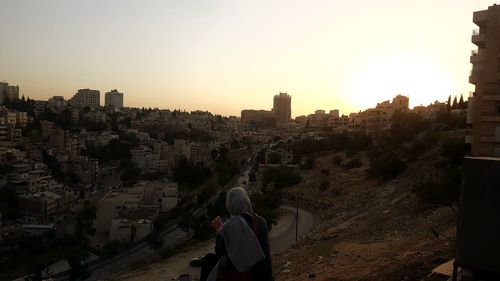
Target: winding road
285,239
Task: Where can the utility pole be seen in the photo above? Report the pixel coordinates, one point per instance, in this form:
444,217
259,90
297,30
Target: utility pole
297,216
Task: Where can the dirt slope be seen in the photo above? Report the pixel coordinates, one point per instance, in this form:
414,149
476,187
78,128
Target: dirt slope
371,230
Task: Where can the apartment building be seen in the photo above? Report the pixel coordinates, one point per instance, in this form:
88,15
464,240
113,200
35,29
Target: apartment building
86,97
110,206
282,106
485,75
113,99
8,92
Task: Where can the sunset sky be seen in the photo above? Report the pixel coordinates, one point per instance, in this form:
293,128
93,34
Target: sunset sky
228,55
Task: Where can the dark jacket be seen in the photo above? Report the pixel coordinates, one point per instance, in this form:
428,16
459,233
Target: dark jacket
262,271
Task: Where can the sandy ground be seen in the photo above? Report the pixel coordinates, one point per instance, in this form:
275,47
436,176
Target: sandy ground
171,268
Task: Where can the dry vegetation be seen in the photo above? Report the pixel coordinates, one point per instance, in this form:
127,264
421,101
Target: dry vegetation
371,230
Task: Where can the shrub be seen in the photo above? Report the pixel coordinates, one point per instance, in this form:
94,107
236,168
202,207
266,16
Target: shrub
353,163
454,150
274,158
324,185
387,167
282,177
350,153
336,160
384,161
308,164
336,191
443,190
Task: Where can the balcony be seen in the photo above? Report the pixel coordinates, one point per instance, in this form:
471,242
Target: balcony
475,73
490,118
480,18
475,57
478,38
491,98
473,79
490,139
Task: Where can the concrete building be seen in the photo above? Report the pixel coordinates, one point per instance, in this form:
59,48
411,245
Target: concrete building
40,204
110,206
57,102
8,92
282,107
164,194
133,225
86,97
113,99
357,123
258,118
485,75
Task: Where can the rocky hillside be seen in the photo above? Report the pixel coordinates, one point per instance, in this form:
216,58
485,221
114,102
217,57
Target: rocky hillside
372,229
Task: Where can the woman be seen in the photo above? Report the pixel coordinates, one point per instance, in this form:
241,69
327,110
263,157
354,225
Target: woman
242,246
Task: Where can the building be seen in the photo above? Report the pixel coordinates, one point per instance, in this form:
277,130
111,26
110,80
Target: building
113,99
133,225
40,204
86,97
164,194
282,107
8,92
56,102
258,118
485,75
111,205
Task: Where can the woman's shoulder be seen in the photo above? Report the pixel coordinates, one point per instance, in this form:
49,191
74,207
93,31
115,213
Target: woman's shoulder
261,221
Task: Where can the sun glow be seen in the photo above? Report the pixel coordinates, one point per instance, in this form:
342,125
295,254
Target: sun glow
382,78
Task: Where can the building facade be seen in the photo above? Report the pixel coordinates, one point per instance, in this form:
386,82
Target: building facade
113,99
485,75
86,97
258,118
8,92
282,106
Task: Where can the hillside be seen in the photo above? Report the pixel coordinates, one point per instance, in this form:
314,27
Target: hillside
372,229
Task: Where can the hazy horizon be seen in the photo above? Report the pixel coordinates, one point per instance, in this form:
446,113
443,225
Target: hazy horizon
226,56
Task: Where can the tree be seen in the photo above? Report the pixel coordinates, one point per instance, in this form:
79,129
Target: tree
461,103
9,202
448,104
192,174
455,104
406,125
131,174
274,158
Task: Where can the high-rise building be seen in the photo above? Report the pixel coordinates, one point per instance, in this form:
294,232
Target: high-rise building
8,92
282,107
485,75
86,97
113,99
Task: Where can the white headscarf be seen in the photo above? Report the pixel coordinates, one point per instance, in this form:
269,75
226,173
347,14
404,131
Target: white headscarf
243,247
237,202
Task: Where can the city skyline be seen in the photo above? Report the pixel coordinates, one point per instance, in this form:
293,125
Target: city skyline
193,55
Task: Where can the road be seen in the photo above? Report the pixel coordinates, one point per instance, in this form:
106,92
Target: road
140,253
172,236
286,239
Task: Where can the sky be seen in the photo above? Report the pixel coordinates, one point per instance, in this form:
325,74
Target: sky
228,55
